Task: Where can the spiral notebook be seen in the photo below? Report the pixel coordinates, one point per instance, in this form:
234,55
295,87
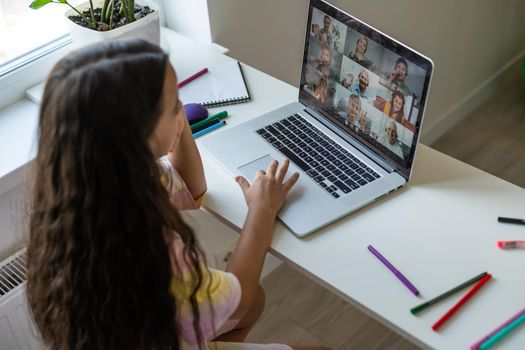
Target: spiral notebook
224,84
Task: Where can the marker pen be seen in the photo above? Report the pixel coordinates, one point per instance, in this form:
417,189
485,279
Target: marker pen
511,244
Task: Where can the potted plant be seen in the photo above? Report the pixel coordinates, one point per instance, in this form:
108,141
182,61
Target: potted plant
97,20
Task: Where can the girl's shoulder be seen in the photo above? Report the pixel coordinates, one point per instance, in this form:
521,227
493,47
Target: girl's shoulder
179,194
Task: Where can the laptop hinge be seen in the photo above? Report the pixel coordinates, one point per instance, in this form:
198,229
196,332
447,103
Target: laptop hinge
348,138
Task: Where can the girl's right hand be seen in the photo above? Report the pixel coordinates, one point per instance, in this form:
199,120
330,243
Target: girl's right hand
268,190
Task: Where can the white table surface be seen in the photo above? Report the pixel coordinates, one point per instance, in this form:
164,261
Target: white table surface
440,231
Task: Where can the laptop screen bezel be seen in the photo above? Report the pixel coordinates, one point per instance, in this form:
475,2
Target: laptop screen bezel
403,166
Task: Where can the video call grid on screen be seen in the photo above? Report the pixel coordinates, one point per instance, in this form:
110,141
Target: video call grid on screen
366,83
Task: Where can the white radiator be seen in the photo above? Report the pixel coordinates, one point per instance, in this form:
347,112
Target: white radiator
17,331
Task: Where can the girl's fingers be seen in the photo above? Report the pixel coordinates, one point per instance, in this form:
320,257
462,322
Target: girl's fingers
243,183
283,169
258,174
272,168
291,182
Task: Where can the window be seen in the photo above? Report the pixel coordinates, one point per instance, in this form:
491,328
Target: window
28,31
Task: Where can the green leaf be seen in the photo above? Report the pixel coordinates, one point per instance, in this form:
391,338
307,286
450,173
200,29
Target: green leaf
35,5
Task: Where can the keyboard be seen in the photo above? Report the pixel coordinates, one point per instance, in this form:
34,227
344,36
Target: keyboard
332,167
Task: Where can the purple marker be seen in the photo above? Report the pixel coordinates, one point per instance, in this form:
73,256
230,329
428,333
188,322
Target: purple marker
396,272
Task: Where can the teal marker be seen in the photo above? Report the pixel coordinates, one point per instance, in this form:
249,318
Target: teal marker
503,333
208,129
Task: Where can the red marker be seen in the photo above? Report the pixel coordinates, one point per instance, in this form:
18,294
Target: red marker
511,244
193,77
460,303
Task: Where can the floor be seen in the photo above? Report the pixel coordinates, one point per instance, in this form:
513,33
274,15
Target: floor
298,311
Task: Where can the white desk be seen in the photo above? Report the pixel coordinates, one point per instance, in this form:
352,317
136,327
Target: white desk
439,231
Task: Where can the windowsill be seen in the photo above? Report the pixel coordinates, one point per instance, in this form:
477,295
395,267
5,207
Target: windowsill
19,126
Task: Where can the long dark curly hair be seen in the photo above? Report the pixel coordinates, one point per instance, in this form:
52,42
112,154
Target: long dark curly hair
101,223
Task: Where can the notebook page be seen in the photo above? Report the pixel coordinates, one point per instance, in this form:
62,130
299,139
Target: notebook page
223,82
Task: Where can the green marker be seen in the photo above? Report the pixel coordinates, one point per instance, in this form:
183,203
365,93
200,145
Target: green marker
423,306
220,115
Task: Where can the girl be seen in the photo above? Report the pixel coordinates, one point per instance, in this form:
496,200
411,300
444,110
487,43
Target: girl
111,263
395,107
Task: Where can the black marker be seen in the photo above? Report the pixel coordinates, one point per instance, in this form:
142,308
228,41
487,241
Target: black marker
511,220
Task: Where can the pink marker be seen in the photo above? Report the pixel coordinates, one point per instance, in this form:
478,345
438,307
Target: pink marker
511,244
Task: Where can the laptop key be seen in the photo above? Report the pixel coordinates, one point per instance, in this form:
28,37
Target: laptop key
337,172
323,184
326,173
355,177
342,186
335,195
319,178
260,131
296,160
330,167
272,130
362,182
308,159
368,177
314,163
351,184
277,144
331,178
343,177
330,189
312,173
278,126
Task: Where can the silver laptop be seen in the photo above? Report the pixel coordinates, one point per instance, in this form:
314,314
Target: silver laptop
353,133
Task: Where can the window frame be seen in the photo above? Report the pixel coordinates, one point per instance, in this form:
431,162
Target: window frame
30,69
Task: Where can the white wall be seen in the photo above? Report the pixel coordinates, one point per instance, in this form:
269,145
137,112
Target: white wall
469,40
12,218
188,17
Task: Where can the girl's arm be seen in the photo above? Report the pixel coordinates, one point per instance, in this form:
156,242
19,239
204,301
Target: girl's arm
187,161
264,197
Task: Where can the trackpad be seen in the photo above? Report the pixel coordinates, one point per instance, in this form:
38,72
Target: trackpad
249,169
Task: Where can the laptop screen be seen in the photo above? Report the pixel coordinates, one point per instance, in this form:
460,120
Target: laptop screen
364,82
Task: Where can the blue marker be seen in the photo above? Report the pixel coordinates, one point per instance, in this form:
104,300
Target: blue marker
208,129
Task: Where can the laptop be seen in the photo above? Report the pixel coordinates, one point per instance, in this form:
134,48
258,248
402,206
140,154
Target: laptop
353,133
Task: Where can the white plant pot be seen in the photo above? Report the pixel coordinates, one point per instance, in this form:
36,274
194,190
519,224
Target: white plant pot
147,28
